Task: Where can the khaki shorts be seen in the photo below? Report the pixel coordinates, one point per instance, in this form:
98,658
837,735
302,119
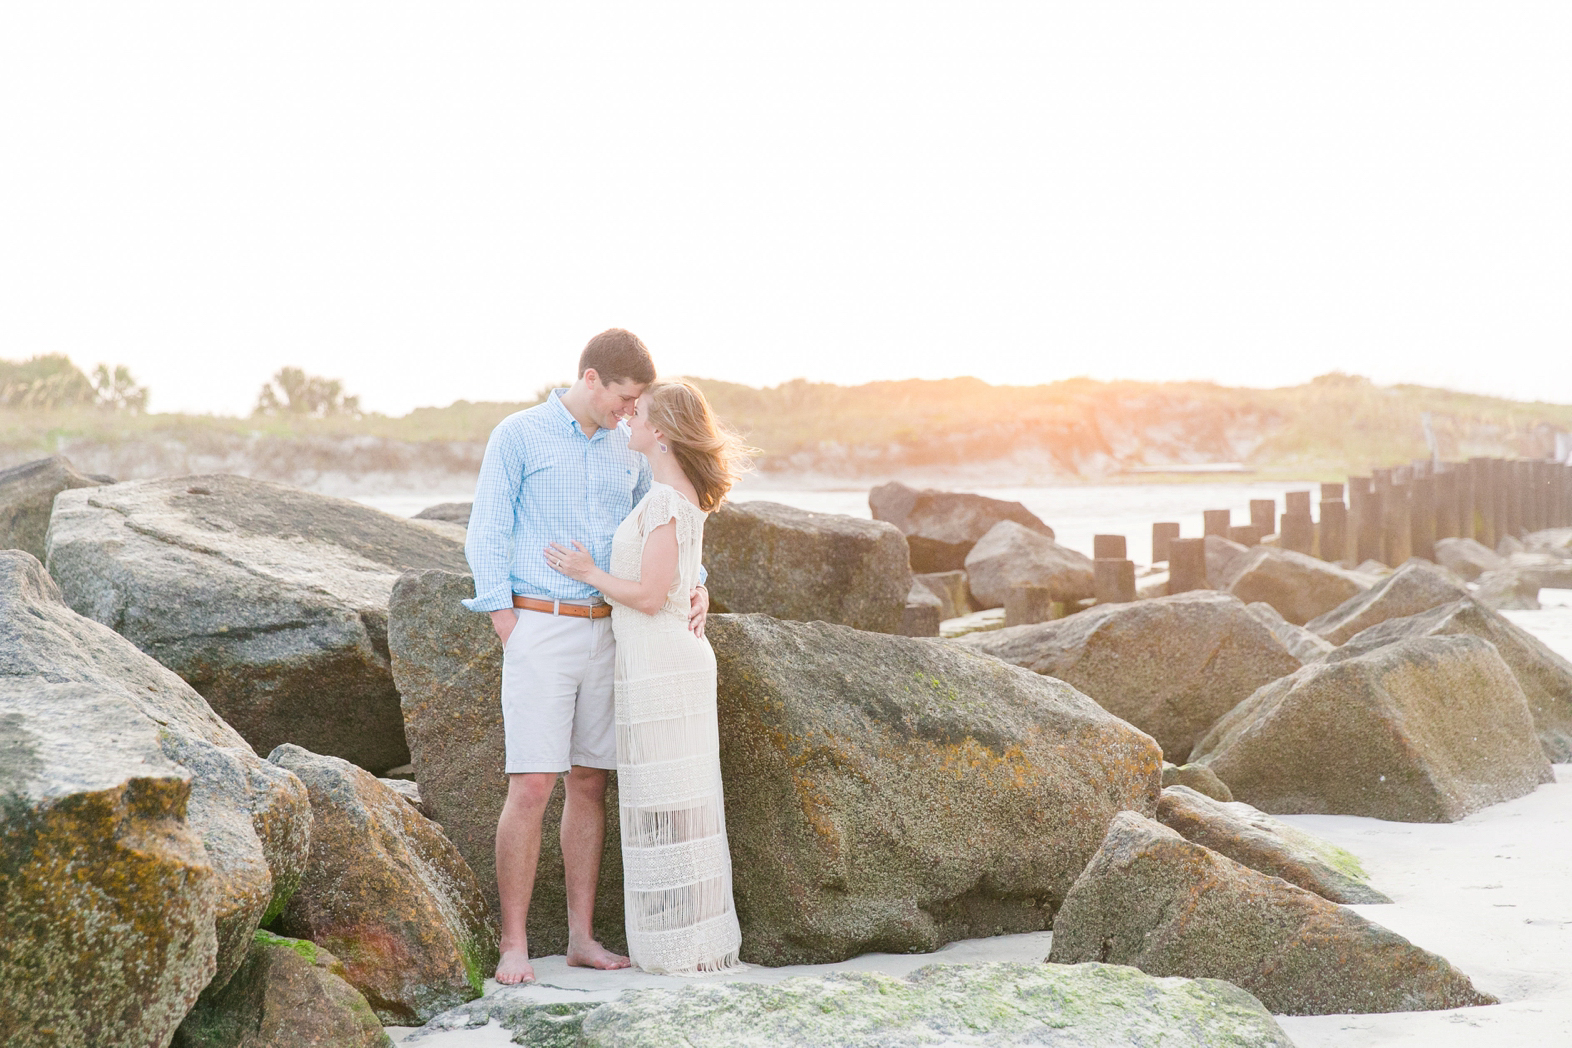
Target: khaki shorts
558,697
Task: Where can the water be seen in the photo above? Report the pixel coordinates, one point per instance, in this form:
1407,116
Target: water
1075,512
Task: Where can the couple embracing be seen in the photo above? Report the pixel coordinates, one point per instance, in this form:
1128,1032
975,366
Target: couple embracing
585,544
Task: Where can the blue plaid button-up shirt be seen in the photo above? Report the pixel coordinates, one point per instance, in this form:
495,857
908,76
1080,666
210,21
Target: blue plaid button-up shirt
544,481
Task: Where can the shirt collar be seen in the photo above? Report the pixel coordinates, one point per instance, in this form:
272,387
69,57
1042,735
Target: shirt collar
555,400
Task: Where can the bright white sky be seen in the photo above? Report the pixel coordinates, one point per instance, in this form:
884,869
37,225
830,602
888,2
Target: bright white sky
446,200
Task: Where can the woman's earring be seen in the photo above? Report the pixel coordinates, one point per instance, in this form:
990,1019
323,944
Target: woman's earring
662,447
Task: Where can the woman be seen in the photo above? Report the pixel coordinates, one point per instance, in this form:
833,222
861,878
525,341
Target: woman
675,860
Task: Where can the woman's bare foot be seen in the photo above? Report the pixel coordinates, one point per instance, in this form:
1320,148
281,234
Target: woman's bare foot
591,954
514,967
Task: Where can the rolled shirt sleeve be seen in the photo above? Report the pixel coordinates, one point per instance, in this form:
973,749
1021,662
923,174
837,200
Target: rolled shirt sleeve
489,544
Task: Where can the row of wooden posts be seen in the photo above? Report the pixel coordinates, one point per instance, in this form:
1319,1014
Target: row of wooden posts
1389,516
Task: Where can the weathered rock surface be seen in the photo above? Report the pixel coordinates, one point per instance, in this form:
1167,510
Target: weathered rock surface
27,495
410,791
448,665
450,512
1416,586
1152,899
1299,587
894,794
1306,646
1221,554
1546,570
1013,555
924,612
388,893
1266,844
941,527
950,588
271,602
1467,558
1197,777
1545,677
1508,590
137,807
1427,729
1553,540
289,993
998,1004
778,560
1171,666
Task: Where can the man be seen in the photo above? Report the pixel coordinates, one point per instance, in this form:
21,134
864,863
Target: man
558,472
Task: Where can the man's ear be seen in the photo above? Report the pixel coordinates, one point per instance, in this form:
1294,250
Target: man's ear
591,377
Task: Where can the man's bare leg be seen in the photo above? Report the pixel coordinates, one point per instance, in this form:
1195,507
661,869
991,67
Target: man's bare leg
583,835
518,852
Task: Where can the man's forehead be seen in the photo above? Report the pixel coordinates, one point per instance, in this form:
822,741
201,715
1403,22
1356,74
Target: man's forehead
627,389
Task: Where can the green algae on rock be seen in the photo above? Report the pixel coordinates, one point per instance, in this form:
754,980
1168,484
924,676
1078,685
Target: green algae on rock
289,993
1080,1006
387,893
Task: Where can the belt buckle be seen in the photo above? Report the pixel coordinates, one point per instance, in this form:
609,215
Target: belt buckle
556,606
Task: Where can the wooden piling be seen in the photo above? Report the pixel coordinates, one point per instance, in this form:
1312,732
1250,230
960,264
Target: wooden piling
1217,522
1163,533
1186,565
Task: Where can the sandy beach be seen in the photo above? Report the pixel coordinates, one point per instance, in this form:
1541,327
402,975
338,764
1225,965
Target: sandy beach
1489,893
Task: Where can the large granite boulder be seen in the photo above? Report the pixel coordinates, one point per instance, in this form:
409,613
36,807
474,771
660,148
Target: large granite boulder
792,564
1012,555
1266,844
1299,587
1508,590
1197,777
941,527
1427,729
1168,906
144,842
271,602
894,794
1306,646
27,496
289,993
448,665
924,612
386,891
447,512
1545,677
1546,570
1466,558
1171,666
1221,555
1416,586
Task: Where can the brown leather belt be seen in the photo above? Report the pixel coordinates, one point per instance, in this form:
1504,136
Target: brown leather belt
553,607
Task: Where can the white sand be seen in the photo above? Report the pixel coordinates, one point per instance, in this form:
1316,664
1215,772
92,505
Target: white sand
1492,894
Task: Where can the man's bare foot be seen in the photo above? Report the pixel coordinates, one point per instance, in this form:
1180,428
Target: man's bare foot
592,954
514,967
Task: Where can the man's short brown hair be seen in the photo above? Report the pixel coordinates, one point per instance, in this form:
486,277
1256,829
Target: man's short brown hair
617,355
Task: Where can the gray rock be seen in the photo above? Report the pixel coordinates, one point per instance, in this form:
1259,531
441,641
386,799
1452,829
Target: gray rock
950,588
388,892
1428,729
1508,590
410,791
941,527
1171,666
778,560
1416,586
1545,677
1551,540
1151,899
271,602
1509,545
1221,554
1373,568
1306,646
97,727
448,665
1012,555
1266,844
1297,586
289,993
1084,1006
1547,570
1197,777
893,794
27,496
450,512
924,612
1467,558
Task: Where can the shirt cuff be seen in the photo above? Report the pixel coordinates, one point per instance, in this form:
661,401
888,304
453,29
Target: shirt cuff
491,601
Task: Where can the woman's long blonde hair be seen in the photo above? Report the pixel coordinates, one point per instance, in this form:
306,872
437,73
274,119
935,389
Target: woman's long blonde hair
710,454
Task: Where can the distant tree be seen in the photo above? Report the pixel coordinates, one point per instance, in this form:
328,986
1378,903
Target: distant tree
118,391
293,392
52,381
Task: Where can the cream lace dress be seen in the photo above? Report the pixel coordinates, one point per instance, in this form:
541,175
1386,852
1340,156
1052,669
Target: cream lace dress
676,865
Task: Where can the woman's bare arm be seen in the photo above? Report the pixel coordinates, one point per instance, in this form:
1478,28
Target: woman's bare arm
657,570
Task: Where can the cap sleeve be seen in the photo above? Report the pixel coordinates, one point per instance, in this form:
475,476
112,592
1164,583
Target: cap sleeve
662,506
